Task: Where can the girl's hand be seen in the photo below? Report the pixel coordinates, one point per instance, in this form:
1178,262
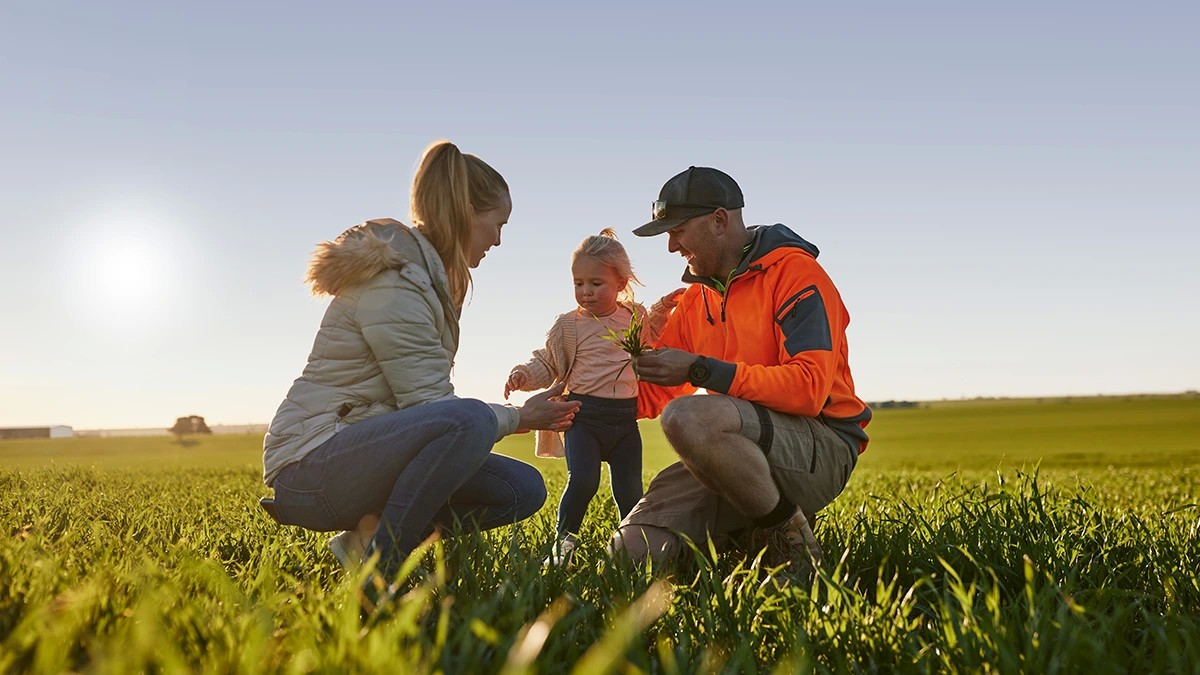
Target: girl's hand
516,382
548,410
668,301
660,311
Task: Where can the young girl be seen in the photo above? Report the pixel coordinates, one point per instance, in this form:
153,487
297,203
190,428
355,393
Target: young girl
599,376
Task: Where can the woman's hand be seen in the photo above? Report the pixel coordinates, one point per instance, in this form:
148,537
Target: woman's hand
548,410
516,382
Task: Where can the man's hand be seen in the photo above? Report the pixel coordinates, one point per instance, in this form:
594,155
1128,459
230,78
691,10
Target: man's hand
667,367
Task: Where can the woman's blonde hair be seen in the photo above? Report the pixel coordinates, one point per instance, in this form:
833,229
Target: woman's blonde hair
606,250
448,189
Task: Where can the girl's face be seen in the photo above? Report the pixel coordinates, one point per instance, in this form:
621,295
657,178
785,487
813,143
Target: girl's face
596,285
485,232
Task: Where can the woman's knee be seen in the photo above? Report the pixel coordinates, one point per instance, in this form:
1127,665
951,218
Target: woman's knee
476,421
530,495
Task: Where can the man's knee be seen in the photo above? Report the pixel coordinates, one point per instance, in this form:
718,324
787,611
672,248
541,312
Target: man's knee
678,419
696,422
640,543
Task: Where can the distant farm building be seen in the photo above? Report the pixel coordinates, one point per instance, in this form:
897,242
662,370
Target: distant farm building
56,431
893,404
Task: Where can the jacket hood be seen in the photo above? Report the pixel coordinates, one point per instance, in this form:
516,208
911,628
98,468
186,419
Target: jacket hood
769,238
360,253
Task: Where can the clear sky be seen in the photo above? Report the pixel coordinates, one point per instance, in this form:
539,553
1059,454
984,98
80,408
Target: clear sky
1006,195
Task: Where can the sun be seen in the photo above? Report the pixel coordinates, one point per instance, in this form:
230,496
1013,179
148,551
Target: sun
127,272
121,270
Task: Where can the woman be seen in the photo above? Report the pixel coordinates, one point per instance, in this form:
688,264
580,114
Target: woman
372,426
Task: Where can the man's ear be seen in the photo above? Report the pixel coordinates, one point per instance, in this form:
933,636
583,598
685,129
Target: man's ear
720,221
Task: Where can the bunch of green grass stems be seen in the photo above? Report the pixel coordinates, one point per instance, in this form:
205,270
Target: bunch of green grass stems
177,570
631,340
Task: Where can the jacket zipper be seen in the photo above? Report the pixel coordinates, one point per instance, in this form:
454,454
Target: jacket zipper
725,295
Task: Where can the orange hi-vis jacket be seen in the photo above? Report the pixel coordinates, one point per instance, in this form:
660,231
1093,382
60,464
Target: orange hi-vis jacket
775,337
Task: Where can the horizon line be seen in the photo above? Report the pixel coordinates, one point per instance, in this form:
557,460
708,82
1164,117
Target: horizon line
872,403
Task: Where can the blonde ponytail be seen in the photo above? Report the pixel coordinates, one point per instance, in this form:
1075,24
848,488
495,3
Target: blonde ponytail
448,189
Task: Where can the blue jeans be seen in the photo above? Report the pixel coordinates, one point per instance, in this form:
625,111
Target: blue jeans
421,467
604,429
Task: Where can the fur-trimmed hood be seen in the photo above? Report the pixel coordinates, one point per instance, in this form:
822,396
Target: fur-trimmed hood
387,340
365,250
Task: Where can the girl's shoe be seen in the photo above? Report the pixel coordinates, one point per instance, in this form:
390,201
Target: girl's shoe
564,551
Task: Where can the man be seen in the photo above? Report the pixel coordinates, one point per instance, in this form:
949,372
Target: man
762,325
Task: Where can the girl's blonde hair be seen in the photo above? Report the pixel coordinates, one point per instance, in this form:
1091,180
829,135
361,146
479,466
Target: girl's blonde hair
606,250
448,189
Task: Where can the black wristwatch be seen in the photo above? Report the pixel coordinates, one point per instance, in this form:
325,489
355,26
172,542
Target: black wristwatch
699,371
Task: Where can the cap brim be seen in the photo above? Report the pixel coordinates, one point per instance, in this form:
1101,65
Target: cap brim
659,226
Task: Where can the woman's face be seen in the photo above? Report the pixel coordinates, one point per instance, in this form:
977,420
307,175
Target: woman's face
485,232
596,285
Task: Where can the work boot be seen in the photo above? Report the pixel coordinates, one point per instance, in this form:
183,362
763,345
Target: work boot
790,543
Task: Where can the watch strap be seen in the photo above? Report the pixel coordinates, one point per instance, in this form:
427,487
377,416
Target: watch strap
720,375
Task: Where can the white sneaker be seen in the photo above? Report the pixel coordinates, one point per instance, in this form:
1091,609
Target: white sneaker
564,551
346,549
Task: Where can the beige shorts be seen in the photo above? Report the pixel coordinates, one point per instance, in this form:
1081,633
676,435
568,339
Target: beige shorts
809,462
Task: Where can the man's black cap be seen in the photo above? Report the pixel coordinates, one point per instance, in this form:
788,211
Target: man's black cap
695,192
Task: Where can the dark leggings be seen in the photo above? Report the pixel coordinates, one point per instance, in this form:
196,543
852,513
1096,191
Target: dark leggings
605,430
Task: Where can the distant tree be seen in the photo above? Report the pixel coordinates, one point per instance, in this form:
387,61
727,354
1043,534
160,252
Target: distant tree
192,424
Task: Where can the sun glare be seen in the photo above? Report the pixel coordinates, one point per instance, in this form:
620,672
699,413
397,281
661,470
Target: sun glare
126,272
122,270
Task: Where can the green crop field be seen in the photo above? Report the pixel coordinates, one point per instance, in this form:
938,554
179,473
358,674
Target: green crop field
1060,535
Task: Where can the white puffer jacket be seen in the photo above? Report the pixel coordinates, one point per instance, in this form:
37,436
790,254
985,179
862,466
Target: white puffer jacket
387,340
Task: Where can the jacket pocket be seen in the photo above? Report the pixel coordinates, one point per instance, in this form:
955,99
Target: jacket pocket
307,508
804,323
350,413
